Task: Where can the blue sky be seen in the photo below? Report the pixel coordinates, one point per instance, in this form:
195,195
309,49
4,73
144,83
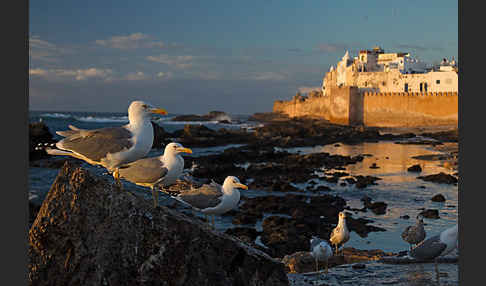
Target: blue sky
198,56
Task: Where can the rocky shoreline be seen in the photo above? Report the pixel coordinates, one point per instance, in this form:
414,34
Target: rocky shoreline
285,238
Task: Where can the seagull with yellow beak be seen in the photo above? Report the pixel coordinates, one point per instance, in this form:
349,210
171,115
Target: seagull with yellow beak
157,171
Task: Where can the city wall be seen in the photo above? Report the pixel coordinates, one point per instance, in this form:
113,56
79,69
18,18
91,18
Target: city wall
347,106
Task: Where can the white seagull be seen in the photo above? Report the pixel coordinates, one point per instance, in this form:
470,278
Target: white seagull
213,198
414,234
161,171
320,250
340,234
111,147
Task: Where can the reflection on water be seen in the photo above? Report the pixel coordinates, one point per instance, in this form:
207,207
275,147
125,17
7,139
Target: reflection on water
400,189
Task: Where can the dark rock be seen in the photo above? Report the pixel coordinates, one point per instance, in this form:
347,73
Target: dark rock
246,234
439,178
39,133
415,168
405,216
211,116
378,208
358,266
246,218
89,232
430,213
364,181
438,198
374,166
321,188
161,137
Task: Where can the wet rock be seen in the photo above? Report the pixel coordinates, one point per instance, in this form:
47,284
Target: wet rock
405,217
438,198
439,178
303,262
321,188
33,210
374,166
415,168
378,208
364,181
89,232
361,227
358,266
430,213
161,137
246,234
246,218
211,116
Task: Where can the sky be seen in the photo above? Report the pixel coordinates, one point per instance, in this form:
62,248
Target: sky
198,56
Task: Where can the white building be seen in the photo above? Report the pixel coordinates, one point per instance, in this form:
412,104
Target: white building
375,70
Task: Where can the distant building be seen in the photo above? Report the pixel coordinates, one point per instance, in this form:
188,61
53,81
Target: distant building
375,70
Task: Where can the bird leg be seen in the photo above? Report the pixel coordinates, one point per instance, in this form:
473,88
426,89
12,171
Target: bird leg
116,175
327,264
437,275
317,268
154,194
214,226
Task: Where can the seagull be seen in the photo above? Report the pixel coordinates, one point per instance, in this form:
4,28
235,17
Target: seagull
340,234
161,171
213,198
436,246
111,147
320,250
414,234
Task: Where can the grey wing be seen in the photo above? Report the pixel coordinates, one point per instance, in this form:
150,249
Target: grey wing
95,144
314,242
405,233
147,170
428,249
206,196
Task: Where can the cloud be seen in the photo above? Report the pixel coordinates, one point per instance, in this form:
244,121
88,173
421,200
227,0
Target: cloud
164,75
268,76
136,76
180,62
132,41
43,50
71,74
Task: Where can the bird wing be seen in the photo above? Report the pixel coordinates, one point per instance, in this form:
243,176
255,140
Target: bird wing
429,249
147,170
314,242
405,232
96,144
206,196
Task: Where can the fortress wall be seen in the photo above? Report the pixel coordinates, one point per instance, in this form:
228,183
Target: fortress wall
317,107
345,105
410,109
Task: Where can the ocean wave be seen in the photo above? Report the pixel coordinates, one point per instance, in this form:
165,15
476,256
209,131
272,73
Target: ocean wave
102,119
56,115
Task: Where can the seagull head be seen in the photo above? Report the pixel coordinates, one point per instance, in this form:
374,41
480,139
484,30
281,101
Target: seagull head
342,215
233,182
176,148
141,109
420,218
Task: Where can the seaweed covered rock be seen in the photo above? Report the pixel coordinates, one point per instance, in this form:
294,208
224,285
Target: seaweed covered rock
88,232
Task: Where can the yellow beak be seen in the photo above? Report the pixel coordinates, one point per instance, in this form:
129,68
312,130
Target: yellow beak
158,111
244,187
184,150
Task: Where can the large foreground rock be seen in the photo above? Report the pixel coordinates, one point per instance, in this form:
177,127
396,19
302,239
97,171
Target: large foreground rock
88,232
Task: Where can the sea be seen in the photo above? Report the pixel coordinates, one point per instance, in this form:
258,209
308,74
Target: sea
401,190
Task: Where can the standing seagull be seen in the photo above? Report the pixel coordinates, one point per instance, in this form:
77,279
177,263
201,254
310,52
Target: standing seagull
111,147
320,250
436,246
414,234
340,234
213,198
162,170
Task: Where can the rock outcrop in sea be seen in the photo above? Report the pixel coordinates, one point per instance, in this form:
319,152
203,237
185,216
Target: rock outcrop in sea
89,232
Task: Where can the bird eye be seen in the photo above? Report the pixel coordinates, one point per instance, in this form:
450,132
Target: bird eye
145,106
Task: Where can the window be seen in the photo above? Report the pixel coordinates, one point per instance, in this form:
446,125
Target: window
425,86
421,87
437,81
406,87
